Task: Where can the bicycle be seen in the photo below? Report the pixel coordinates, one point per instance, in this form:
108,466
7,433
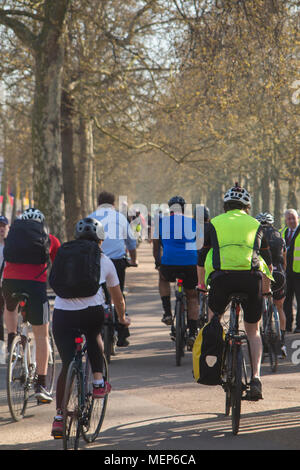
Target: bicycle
21,369
270,331
109,333
203,308
82,414
179,331
234,373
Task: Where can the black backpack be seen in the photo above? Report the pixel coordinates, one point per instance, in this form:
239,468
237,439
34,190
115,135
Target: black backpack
27,242
276,245
75,271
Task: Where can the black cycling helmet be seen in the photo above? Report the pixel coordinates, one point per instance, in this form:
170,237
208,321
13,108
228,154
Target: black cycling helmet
89,229
206,214
176,200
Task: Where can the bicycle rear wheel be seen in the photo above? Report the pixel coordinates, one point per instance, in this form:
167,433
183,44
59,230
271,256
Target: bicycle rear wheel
236,388
273,336
16,380
179,337
226,374
72,409
95,409
108,341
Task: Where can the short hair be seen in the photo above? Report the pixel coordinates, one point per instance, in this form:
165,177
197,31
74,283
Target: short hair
230,205
291,211
106,198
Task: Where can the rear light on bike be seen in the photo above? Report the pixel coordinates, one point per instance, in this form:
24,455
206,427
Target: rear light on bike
22,303
180,282
78,340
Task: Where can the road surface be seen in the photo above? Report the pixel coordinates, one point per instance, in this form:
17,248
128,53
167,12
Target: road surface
156,406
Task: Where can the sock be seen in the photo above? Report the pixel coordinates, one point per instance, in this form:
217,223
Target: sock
41,380
98,383
166,303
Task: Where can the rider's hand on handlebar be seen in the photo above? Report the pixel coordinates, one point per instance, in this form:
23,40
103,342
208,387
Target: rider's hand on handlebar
202,288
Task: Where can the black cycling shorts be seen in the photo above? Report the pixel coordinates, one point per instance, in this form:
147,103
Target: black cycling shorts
38,305
188,274
225,283
279,286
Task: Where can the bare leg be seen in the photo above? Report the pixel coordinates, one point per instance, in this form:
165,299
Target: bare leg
253,334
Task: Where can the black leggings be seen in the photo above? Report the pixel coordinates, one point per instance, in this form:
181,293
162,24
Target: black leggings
66,324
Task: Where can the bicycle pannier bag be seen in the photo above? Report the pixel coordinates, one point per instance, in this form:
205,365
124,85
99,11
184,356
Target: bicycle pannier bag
27,242
208,353
75,271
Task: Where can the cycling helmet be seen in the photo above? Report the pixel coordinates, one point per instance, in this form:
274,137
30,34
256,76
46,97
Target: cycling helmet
265,218
89,229
236,193
206,213
33,214
176,200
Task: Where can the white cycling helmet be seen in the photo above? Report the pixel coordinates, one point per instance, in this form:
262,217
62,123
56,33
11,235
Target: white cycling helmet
89,229
236,193
33,214
265,218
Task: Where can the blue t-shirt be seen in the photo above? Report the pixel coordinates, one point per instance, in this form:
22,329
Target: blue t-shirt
177,234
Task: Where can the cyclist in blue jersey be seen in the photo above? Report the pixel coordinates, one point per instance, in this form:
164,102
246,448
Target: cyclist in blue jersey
175,237
118,238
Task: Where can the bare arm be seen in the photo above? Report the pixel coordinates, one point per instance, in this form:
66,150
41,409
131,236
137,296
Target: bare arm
119,303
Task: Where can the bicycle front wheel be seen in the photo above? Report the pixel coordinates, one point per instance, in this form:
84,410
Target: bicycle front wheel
179,338
95,409
72,409
236,388
16,380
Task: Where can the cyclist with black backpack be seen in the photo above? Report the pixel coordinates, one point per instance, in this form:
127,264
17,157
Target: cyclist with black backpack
77,275
278,251
27,252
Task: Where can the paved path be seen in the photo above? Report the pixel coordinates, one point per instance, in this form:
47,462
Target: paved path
155,405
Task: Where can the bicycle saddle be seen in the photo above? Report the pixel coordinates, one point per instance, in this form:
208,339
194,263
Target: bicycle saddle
239,296
19,296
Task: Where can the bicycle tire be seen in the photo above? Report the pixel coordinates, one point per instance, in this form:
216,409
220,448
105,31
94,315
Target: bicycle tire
107,340
273,356
50,378
16,380
273,336
226,374
95,409
203,317
72,409
179,333
236,388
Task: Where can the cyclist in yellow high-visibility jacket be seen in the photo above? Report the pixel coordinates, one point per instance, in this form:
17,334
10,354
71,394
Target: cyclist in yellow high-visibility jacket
233,258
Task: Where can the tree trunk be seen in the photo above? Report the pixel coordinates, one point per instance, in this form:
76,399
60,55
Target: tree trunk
46,138
266,188
292,202
72,201
277,202
86,166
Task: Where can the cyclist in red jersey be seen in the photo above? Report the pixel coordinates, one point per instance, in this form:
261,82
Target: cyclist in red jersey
31,279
